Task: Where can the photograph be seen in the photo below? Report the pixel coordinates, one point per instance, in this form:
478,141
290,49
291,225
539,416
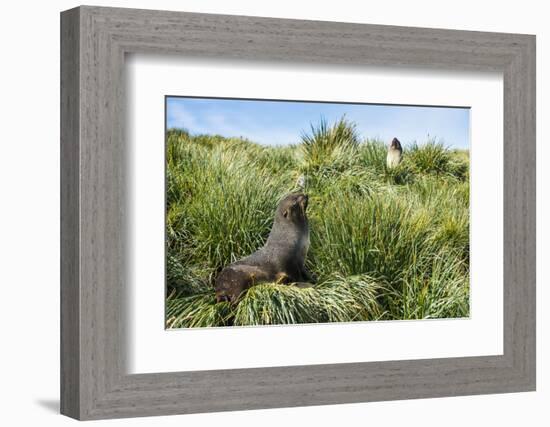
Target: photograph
304,212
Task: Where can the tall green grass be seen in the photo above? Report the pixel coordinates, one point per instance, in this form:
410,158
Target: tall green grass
385,244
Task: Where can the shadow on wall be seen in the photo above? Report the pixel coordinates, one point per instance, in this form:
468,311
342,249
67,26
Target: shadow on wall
51,405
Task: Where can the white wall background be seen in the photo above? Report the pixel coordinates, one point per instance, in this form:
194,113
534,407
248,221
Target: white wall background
29,213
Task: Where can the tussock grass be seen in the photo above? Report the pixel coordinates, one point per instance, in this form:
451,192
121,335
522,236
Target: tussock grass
385,244
336,300
329,146
434,158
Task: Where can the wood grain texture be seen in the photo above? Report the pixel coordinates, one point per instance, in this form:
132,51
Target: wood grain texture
70,292
94,232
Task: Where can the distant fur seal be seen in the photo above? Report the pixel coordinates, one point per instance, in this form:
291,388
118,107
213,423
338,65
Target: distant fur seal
301,182
395,152
281,259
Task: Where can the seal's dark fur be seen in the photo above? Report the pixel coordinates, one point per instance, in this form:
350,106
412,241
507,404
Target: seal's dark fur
280,260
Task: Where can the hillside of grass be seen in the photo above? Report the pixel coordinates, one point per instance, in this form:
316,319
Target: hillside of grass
385,244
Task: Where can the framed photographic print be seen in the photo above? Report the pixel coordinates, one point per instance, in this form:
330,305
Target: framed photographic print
261,213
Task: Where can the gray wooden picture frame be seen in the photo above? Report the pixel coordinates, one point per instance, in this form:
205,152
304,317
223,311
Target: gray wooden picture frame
94,41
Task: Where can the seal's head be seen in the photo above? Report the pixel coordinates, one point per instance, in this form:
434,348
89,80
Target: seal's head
292,208
395,144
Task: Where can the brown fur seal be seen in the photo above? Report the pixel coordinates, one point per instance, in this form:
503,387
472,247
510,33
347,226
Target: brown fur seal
280,260
395,152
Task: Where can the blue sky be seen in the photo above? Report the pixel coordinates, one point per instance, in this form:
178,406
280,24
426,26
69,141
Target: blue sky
282,122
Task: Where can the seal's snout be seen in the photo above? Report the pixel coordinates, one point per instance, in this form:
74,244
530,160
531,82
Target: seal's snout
302,200
395,143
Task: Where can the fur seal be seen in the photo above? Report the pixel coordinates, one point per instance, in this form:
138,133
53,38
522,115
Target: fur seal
280,260
301,182
395,153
